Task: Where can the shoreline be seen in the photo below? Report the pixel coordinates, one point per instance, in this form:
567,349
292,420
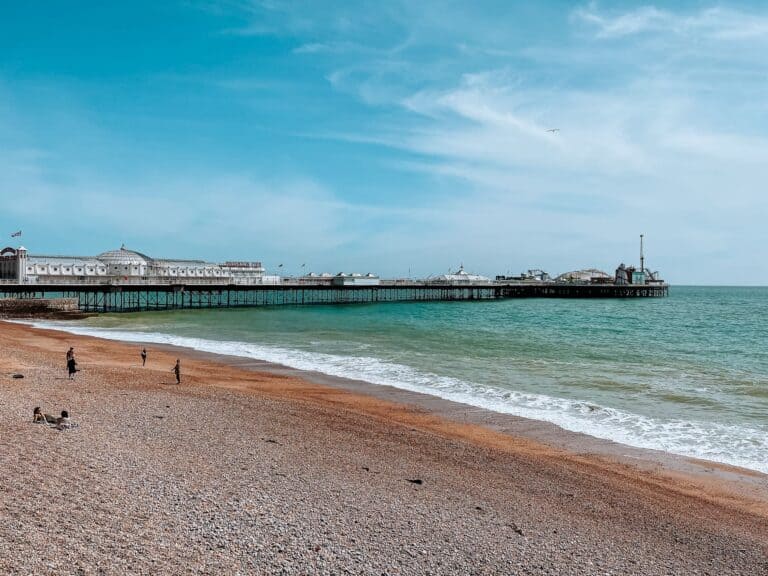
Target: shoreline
548,431
658,464
541,431
538,431
478,472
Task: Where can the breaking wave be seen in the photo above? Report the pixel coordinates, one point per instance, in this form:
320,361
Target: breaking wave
729,444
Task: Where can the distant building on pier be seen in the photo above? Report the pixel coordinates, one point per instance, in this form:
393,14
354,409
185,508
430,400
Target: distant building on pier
533,275
324,279
355,279
340,279
125,266
631,275
459,277
586,276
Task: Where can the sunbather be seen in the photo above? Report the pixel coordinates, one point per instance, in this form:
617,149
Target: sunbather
39,418
64,423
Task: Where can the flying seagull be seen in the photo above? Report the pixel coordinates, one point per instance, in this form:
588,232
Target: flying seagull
553,130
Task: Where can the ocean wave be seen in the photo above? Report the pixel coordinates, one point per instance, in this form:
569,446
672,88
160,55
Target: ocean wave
729,444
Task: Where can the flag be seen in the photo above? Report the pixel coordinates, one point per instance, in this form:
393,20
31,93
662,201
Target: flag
280,266
303,265
16,234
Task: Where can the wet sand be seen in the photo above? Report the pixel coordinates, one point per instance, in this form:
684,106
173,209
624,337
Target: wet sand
258,469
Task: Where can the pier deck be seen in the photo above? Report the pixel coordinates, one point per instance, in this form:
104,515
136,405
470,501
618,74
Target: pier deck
141,297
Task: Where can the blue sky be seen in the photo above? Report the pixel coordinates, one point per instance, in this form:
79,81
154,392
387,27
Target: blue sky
388,136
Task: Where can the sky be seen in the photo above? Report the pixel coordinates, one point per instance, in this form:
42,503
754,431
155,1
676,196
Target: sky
403,138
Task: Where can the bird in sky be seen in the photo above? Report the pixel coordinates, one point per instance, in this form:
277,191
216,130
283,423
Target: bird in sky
553,130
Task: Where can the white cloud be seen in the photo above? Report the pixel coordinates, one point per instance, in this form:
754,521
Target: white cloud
640,20
225,217
716,22
491,123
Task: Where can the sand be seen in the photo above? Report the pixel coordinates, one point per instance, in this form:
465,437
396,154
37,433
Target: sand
248,469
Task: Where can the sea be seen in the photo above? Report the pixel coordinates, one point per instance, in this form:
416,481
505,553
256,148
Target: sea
687,374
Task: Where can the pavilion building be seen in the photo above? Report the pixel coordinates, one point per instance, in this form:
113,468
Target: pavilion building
124,266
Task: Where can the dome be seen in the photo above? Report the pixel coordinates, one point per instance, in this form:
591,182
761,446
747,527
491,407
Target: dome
462,276
588,275
124,256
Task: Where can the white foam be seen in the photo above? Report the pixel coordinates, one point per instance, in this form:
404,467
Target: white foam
729,444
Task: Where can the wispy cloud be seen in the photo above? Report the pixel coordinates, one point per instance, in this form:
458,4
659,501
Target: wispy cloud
486,121
640,20
716,22
236,215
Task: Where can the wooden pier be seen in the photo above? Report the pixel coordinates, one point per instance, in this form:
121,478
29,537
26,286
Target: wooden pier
144,297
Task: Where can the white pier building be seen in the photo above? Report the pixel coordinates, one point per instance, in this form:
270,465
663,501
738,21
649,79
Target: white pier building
124,266
459,277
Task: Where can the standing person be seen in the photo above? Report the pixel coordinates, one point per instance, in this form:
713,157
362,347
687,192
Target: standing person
143,356
71,367
70,354
177,370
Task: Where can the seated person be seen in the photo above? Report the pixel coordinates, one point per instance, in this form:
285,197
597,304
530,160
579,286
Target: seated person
63,423
39,418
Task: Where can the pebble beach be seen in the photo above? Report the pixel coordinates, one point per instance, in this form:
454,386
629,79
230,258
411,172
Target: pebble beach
238,471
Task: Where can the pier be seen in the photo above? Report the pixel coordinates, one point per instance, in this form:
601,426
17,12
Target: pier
125,280
94,298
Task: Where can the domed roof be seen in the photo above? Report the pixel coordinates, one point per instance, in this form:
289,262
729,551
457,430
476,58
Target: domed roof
124,256
583,275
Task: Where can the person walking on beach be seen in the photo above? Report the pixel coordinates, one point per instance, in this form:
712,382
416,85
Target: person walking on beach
70,354
177,370
71,367
143,356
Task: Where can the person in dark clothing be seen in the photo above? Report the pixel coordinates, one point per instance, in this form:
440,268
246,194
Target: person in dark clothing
72,367
39,417
143,356
177,370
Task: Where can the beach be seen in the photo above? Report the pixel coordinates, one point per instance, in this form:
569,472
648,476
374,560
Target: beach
247,468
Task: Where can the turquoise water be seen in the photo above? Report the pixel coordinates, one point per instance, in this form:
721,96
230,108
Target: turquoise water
687,374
